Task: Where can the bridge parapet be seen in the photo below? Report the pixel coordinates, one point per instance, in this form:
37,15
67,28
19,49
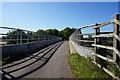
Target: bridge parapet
82,46
19,36
20,40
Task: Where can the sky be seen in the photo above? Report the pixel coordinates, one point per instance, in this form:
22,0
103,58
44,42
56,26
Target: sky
58,15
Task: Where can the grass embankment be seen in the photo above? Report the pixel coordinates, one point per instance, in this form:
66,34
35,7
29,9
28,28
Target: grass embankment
84,68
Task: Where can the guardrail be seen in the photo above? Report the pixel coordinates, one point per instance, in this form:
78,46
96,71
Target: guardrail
20,36
19,40
77,37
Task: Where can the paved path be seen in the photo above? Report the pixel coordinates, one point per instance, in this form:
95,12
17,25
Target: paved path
50,62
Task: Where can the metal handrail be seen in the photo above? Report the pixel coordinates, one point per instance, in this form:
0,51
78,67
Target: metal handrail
19,38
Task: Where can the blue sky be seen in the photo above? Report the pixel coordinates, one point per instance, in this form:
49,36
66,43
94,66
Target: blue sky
50,15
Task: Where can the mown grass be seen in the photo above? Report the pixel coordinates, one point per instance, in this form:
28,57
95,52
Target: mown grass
84,68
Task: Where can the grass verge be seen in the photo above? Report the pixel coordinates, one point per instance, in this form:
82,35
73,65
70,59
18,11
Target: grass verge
84,68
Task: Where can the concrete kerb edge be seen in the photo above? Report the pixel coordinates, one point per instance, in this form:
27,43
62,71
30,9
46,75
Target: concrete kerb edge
72,49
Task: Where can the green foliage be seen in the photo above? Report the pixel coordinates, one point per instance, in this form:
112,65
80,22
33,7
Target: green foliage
13,35
65,33
40,31
84,68
49,31
113,69
55,32
52,32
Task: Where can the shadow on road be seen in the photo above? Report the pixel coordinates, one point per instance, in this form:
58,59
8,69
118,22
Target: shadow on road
33,63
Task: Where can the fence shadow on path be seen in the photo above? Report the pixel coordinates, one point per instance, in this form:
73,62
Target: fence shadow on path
9,72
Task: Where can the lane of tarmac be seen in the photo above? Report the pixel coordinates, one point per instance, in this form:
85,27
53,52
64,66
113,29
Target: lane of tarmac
50,62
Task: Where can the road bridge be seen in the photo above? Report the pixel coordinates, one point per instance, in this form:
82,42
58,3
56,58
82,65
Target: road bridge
51,59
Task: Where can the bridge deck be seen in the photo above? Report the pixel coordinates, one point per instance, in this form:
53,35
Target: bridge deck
50,62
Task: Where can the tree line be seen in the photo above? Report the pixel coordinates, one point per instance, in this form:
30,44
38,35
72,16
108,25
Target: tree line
65,33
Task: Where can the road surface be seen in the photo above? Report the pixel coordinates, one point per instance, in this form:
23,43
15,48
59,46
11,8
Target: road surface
50,62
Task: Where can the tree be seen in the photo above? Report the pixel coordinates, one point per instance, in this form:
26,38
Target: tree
49,31
15,34
67,32
40,31
55,32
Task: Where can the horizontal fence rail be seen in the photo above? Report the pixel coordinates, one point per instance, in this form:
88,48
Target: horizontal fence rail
96,42
20,36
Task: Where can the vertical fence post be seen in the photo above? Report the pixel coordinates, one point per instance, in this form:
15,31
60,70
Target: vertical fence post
115,41
28,40
21,37
38,36
97,31
17,36
14,36
32,39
